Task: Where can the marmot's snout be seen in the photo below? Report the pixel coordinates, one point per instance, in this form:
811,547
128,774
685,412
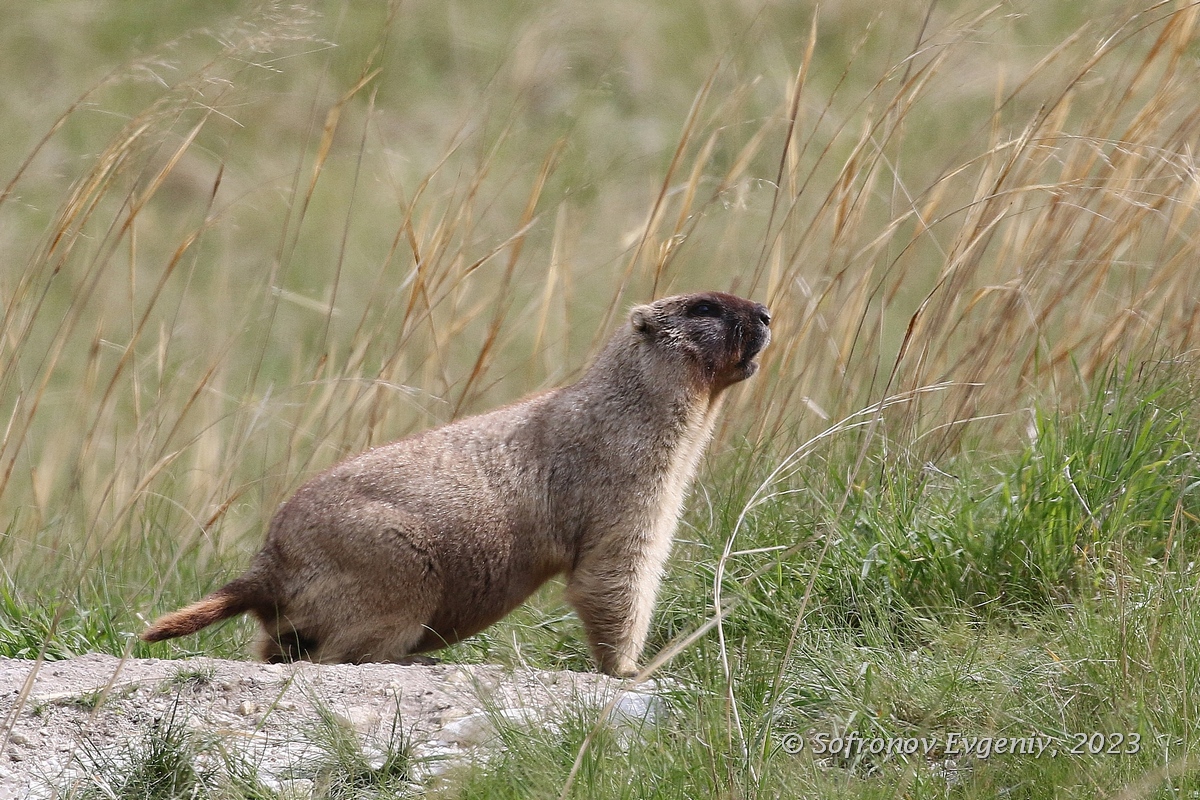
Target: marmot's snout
760,331
754,334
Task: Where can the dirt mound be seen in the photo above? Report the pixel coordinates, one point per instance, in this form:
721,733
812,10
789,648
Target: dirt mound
69,725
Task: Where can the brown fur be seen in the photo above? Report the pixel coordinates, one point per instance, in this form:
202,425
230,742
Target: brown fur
417,544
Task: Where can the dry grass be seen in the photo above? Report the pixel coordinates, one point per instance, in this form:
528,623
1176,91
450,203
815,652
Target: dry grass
212,341
213,335
274,240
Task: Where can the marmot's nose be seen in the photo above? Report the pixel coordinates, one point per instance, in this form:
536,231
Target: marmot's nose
764,316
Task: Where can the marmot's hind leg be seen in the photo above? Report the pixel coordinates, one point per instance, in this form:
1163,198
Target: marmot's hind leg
278,642
369,643
284,647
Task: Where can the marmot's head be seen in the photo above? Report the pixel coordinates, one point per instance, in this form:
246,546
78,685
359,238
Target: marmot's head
715,333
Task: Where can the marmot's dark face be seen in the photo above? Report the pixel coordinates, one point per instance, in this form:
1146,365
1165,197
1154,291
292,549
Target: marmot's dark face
718,333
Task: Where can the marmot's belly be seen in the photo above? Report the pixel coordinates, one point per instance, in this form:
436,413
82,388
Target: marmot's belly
476,594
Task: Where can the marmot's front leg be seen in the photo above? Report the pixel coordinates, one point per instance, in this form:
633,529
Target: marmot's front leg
614,599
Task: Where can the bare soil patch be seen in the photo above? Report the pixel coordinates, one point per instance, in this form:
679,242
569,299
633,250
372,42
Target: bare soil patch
55,713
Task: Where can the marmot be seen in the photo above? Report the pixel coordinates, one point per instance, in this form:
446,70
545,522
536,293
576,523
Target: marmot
417,544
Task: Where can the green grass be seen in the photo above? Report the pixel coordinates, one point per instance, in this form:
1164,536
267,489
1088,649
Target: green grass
244,242
938,609
1093,490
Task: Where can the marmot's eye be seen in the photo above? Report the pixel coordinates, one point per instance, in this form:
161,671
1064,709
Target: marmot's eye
705,310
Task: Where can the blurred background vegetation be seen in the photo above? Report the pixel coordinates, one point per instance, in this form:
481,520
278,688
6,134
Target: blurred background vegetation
243,241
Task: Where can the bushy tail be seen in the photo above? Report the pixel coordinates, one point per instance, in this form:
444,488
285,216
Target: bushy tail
236,597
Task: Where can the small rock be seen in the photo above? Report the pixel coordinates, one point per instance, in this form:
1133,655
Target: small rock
635,708
468,731
358,718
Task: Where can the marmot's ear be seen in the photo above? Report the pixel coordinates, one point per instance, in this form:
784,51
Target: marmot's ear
642,319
